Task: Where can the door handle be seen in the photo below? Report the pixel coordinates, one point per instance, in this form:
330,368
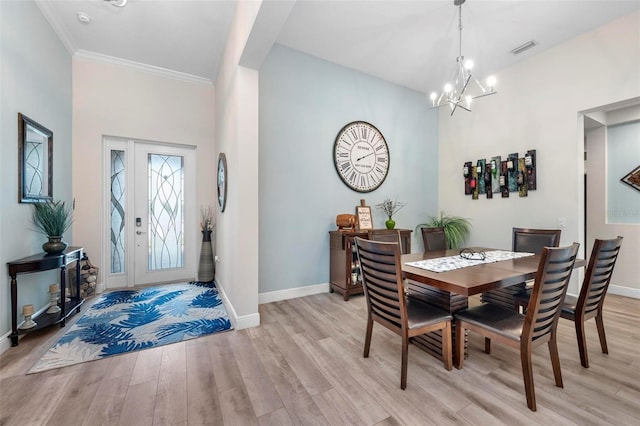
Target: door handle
140,232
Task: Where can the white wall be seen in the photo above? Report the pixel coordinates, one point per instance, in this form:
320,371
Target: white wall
35,79
625,275
538,107
113,100
304,102
237,136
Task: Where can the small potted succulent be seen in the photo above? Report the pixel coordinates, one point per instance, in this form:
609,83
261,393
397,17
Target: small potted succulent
52,218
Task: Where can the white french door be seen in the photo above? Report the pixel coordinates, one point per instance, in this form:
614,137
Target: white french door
150,214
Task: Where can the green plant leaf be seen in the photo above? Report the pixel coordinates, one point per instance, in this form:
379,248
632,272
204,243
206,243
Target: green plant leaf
456,228
52,218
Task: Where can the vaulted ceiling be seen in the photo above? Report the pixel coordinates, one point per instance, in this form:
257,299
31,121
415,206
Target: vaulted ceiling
410,43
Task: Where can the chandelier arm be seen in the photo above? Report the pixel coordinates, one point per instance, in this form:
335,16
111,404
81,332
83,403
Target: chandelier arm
480,85
460,30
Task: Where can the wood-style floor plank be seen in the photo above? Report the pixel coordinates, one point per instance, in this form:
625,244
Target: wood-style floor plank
203,406
304,365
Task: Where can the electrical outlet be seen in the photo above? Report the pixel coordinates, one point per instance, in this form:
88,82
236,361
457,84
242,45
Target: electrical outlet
217,259
562,222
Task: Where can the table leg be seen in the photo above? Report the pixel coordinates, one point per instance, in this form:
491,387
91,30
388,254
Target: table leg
14,311
63,296
450,302
78,281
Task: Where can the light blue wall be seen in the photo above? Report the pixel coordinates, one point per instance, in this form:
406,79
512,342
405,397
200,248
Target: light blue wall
35,79
304,102
623,156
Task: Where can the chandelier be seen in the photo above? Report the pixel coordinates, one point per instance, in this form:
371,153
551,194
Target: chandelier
466,86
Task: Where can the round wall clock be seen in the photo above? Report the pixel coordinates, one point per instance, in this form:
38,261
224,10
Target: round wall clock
222,181
361,156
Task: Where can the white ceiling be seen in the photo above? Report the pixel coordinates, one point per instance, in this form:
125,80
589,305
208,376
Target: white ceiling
410,43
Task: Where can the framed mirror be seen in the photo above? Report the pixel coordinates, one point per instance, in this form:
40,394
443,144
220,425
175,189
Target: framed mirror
35,161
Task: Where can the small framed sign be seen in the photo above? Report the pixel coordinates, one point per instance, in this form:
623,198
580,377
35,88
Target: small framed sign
365,222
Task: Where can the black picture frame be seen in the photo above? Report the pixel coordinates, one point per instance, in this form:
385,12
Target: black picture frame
35,161
222,181
632,178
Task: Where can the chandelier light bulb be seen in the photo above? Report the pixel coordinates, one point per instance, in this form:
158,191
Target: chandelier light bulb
447,88
468,64
491,81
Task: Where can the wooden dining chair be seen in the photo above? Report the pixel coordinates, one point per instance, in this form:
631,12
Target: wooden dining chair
386,235
527,240
434,239
387,305
525,332
590,302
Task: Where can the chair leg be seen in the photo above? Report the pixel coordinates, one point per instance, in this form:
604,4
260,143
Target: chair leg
555,360
405,360
446,345
603,338
487,345
582,342
367,337
527,375
459,356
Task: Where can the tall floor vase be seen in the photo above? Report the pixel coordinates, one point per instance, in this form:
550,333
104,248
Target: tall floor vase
206,267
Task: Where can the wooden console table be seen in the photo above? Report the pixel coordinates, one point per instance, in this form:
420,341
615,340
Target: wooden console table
342,256
44,262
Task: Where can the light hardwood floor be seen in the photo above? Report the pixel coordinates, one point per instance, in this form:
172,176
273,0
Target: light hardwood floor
304,365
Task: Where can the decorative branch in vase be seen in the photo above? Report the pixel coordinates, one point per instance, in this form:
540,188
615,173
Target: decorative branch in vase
207,219
390,208
206,266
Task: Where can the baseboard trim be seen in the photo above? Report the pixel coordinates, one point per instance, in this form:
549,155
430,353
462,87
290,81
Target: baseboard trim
5,343
292,293
624,291
239,322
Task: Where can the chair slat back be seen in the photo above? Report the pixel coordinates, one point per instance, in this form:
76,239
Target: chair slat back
531,240
549,289
434,239
382,281
386,235
596,280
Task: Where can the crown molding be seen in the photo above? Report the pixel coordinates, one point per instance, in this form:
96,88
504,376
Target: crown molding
46,8
63,35
149,69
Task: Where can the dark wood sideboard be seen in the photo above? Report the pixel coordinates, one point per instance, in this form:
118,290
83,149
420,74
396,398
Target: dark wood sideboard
342,260
44,262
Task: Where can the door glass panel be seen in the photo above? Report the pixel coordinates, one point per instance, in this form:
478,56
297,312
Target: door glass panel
117,211
35,163
166,212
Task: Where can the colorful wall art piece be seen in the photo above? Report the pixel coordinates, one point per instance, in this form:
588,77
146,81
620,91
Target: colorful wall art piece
514,174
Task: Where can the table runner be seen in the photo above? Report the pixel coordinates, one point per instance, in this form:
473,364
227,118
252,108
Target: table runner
449,263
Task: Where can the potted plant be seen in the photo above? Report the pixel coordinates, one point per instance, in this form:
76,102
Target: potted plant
52,218
390,208
206,266
456,229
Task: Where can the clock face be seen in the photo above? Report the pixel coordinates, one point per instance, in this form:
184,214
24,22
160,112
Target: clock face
361,156
222,181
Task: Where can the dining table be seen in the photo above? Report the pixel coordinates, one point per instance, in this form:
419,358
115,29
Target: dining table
450,290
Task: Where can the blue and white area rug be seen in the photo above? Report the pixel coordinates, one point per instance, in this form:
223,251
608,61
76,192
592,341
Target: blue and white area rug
131,320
